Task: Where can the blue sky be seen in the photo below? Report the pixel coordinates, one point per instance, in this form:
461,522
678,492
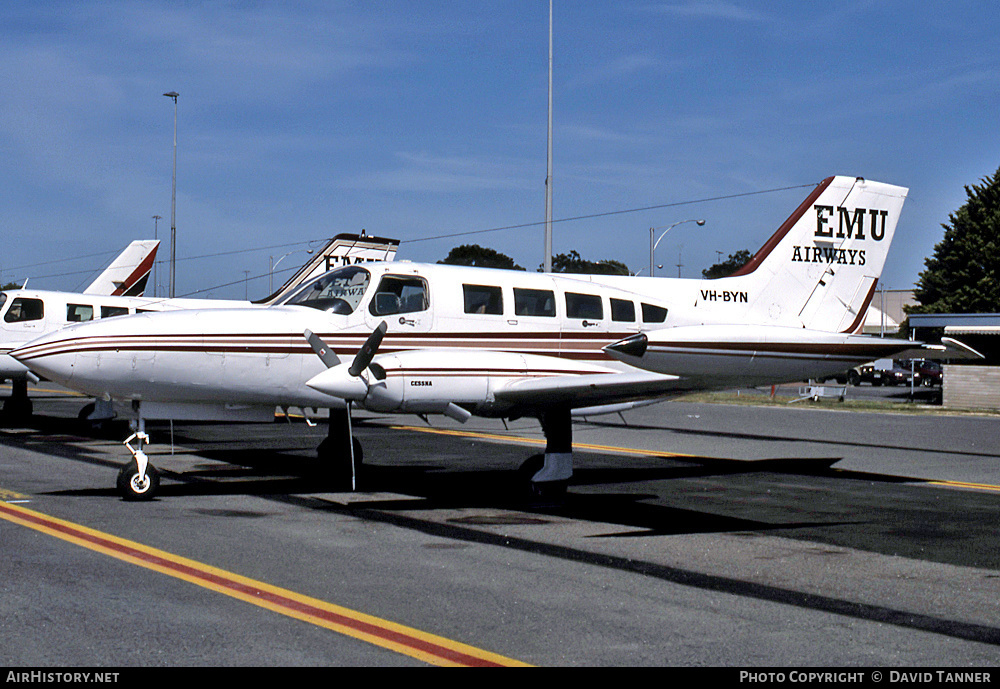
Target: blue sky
423,120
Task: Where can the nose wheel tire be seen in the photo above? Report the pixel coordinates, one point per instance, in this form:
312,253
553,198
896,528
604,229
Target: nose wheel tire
133,488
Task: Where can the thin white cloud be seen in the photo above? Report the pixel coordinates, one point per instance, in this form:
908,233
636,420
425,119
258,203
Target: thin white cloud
713,9
426,173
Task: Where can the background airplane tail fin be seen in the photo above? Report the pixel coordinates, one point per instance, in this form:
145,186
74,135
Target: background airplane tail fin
821,268
127,275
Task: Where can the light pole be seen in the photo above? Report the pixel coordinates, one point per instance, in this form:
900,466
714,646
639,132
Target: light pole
652,245
173,202
274,264
547,261
156,235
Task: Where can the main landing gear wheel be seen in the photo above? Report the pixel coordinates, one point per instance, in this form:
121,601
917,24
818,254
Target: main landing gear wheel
133,488
540,489
330,449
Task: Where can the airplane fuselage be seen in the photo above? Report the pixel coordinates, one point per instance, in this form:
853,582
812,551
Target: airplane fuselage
27,314
469,324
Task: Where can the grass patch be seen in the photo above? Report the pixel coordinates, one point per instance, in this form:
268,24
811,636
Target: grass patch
761,398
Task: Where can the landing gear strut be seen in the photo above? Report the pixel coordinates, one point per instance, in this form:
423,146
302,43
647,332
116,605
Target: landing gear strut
138,479
18,405
550,473
341,450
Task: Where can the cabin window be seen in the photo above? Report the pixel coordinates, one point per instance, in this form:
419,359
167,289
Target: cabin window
110,311
483,299
534,302
397,294
653,314
622,310
339,291
25,309
77,313
587,306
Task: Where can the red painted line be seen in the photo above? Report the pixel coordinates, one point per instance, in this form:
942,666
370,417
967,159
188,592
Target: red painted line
393,636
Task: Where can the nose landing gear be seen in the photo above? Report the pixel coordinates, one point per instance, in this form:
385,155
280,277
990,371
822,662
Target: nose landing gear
138,479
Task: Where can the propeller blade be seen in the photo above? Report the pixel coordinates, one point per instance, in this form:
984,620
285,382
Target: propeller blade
325,354
368,350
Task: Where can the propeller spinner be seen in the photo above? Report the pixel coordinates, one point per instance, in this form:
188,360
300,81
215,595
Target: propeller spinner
340,380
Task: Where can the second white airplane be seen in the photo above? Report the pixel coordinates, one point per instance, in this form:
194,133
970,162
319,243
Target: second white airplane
414,338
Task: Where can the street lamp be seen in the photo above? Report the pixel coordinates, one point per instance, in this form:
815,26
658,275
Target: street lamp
652,245
274,264
173,202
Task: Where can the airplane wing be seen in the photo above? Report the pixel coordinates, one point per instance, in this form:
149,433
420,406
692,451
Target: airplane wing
491,382
588,390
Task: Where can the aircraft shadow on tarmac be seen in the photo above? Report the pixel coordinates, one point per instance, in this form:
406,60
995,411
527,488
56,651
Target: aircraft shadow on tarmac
632,492
639,492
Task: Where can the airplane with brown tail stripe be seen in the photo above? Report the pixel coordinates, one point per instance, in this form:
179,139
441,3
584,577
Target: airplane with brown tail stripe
461,341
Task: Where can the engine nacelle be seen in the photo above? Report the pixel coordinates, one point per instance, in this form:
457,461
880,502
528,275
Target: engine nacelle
441,381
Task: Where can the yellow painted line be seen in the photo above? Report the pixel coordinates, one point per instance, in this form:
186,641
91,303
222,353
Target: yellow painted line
47,391
9,495
630,450
964,484
539,441
407,641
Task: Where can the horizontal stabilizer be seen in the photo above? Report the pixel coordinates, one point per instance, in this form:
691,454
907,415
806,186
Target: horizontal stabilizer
948,349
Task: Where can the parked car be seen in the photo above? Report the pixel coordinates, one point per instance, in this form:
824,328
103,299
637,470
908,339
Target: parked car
886,372
866,374
900,374
930,372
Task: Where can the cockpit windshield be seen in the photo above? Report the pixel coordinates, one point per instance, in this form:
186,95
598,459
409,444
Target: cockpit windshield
339,291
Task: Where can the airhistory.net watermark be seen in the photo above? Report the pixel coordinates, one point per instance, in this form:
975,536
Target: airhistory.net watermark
53,677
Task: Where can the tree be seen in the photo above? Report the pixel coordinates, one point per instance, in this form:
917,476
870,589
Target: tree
481,257
573,263
729,266
963,275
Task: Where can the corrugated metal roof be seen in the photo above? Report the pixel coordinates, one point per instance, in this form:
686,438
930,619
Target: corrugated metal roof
939,320
972,330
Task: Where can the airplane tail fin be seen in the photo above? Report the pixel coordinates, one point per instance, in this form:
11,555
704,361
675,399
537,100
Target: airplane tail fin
128,273
820,269
342,250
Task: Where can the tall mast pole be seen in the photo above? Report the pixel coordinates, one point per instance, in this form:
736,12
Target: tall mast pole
548,164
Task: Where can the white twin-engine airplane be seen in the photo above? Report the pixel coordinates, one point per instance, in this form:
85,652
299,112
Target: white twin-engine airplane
26,314
23,313
472,341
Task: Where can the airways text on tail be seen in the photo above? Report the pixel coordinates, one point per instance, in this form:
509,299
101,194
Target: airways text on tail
820,269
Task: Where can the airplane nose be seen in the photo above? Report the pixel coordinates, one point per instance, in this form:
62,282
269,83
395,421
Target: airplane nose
45,358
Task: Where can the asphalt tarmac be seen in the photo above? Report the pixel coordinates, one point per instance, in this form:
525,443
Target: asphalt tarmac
691,535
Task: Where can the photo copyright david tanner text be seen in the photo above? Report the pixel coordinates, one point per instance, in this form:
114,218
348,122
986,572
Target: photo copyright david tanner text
850,677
